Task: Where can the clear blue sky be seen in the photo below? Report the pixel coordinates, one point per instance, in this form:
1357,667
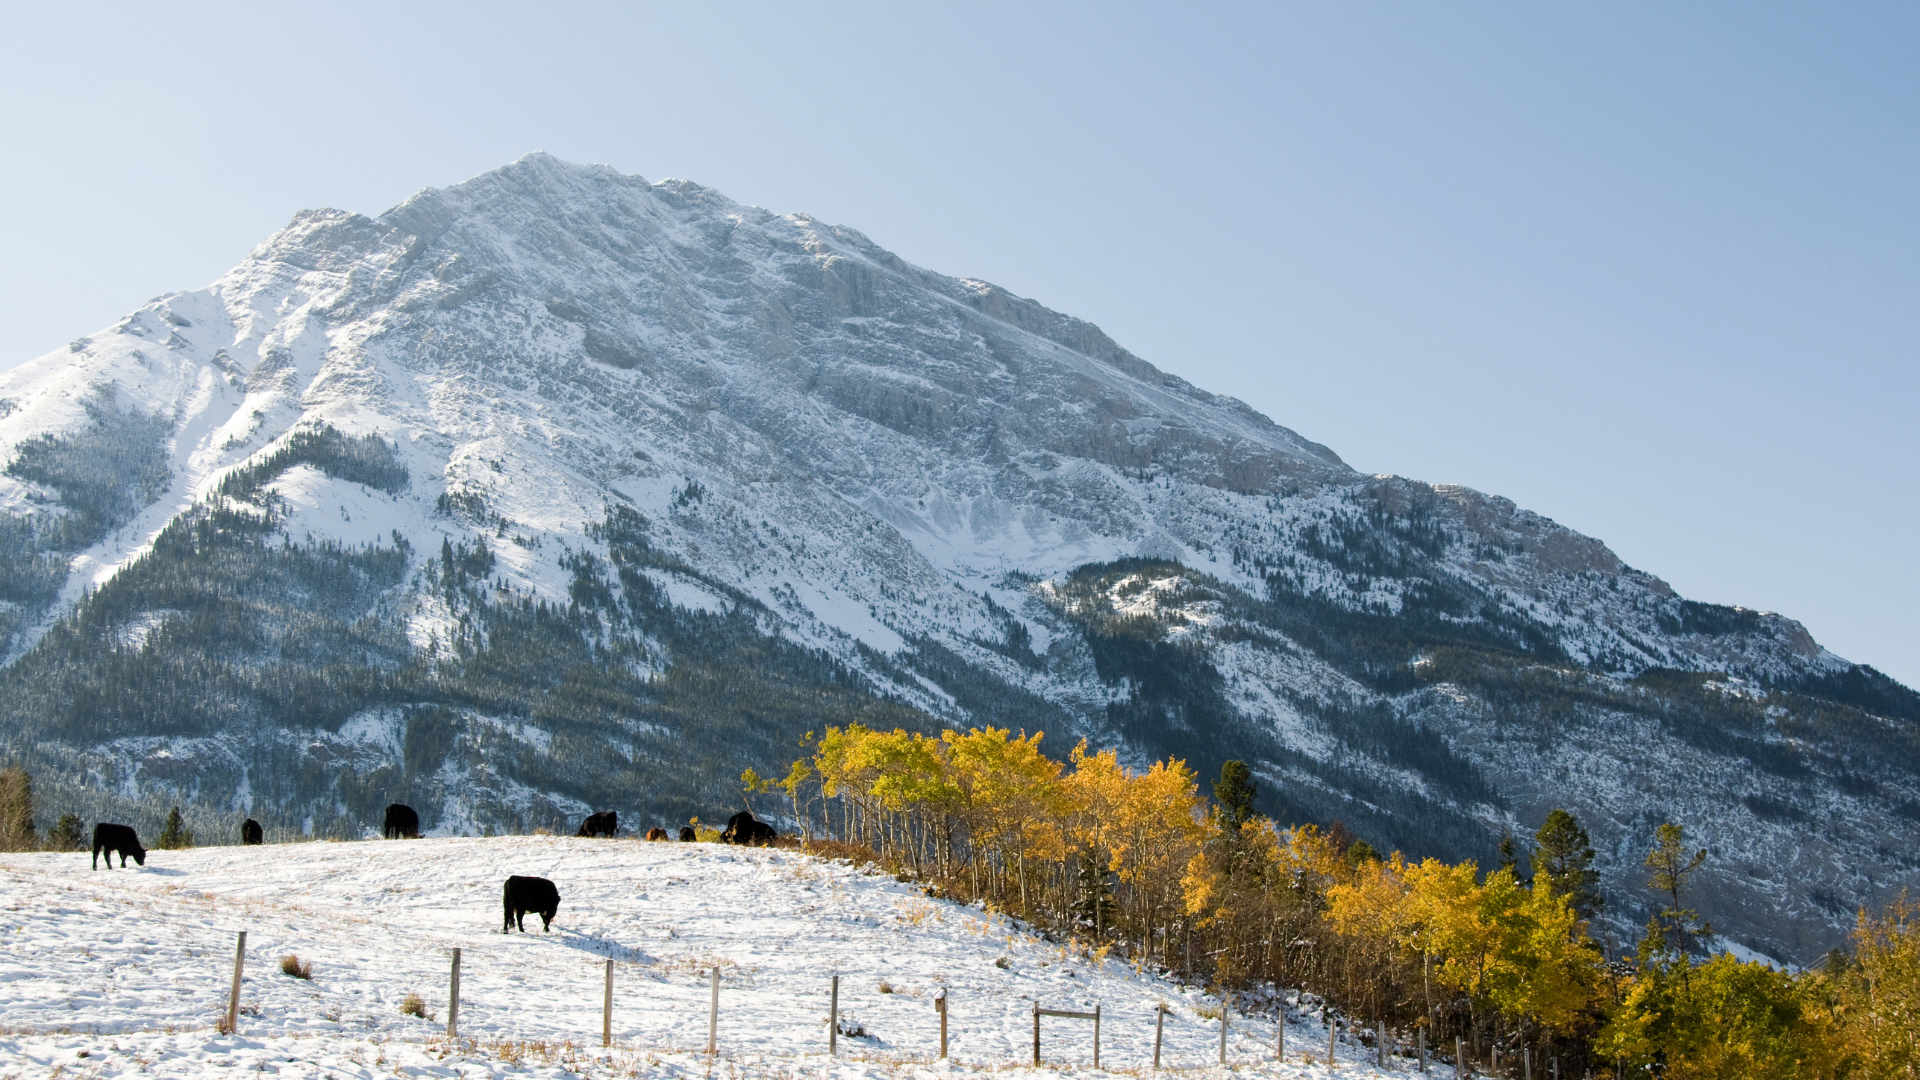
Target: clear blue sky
1650,269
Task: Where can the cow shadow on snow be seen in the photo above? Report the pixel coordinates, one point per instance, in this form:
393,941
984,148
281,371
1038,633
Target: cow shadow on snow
593,943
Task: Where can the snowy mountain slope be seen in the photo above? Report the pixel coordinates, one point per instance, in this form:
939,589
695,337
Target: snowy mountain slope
137,963
558,489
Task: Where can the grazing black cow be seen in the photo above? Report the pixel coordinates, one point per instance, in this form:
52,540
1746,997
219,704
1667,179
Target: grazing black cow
743,829
687,835
656,833
112,838
402,822
250,832
604,823
525,894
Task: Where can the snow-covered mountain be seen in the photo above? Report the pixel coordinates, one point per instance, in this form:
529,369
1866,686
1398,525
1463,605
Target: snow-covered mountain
558,489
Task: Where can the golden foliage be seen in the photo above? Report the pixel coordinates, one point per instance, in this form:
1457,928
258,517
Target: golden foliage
1135,859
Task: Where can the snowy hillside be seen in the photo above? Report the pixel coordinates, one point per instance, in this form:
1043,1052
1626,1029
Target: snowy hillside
560,490
132,968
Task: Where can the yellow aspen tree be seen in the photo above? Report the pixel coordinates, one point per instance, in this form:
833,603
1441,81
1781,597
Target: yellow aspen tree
1370,910
1158,831
1013,791
1551,972
1879,994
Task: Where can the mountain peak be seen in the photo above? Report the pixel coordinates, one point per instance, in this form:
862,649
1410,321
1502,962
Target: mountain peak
628,485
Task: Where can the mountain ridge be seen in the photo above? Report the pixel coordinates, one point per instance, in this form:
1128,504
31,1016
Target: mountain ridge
644,429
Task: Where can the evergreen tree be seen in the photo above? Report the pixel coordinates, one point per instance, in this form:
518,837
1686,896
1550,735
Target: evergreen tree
1834,964
174,834
16,810
1563,861
1235,792
1510,857
67,834
1670,869
1340,838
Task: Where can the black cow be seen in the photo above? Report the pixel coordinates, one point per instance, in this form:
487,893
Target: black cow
687,835
402,822
743,829
112,838
250,832
525,894
604,823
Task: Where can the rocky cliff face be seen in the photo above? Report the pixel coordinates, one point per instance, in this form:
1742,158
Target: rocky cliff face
559,489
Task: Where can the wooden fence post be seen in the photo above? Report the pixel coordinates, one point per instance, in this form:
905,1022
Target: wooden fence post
713,1015
1159,1022
1223,1027
1526,1058
1280,1035
606,1009
1333,1034
1459,1057
833,1019
1096,1036
1382,1048
233,995
1423,1049
453,999
940,1003
1036,1033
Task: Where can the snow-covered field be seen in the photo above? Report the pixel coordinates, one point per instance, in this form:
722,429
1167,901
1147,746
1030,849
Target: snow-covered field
114,973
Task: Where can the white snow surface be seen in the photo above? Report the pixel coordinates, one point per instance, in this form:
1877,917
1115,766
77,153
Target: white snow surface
131,969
